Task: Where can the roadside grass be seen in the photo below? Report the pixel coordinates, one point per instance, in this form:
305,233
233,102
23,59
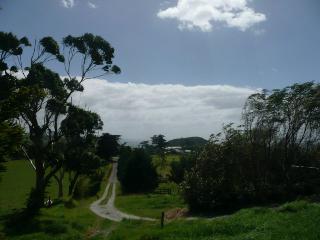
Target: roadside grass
246,224
149,204
105,180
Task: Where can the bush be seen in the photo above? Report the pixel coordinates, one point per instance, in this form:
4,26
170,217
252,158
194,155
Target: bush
136,172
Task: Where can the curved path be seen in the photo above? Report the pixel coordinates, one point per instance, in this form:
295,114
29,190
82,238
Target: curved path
108,210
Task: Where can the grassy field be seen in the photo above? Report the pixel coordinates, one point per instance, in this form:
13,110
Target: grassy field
165,170
15,184
296,220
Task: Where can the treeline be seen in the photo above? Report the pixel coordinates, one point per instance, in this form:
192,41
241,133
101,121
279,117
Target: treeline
38,117
273,156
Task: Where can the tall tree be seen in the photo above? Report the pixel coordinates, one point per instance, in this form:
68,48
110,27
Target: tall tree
108,146
11,134
79,128
41,97
160,144
136,172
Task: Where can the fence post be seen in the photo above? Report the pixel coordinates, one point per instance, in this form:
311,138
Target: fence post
162,219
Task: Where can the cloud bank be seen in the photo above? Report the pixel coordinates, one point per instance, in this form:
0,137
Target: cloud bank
137,111
204,14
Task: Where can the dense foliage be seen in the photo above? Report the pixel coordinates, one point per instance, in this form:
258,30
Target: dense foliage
181,167
108,146
136,172
274,156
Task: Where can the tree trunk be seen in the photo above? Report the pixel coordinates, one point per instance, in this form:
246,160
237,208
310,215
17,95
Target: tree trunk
36,198
60,185
59,180
72,185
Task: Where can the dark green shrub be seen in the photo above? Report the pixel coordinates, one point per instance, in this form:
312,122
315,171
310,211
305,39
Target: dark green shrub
179,168
136,172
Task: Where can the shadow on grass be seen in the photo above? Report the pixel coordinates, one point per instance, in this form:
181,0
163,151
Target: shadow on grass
22,222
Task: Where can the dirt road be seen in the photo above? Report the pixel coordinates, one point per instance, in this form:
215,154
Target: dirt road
108,210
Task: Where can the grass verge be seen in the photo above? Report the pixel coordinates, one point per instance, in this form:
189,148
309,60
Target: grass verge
296,220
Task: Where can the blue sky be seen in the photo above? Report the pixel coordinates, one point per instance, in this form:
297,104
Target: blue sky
280,46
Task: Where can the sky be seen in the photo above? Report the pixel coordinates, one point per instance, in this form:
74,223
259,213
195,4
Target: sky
187,65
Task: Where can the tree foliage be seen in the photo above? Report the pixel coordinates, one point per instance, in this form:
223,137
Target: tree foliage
40,99
136,172
181,167
273,156
159,143
108,146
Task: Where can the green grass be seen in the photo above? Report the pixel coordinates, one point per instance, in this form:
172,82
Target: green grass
248,224
296,220
148,205
15,185
17,182
169,158
166,169
57,222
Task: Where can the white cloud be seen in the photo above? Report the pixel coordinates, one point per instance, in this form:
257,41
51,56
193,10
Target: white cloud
204,14
67,3
91,5
137,111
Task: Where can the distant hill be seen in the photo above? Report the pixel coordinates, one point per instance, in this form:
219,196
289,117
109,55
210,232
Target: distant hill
187,143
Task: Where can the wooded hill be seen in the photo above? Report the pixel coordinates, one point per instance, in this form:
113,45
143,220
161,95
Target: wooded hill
187,143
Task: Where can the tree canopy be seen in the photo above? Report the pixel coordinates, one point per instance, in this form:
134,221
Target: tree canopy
40,99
